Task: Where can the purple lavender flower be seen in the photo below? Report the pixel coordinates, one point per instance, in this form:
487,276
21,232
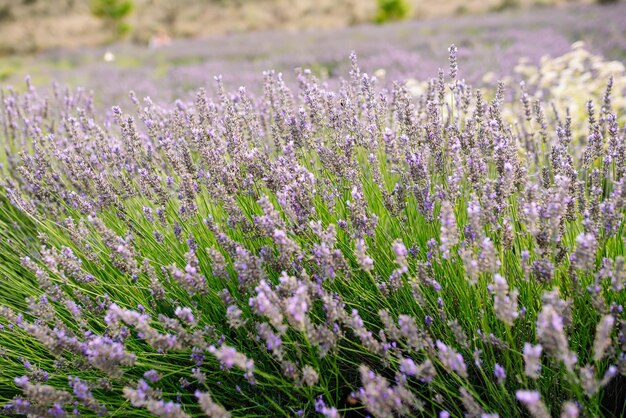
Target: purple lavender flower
21,381
407,366
602,340
551,333
326,411
452,360
532,357
532,401
152,376
449,232
504,302
185,315
499,373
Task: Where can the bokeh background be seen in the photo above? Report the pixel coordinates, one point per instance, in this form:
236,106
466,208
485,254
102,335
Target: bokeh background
168,49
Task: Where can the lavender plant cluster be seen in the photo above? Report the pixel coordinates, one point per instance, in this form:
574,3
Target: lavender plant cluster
348,251
403,51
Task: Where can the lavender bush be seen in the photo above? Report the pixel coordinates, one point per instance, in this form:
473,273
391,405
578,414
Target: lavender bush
342,252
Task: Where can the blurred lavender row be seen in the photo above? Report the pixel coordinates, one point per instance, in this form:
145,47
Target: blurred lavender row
411,50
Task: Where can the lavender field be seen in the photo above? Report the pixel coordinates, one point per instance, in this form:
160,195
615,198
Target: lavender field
270,224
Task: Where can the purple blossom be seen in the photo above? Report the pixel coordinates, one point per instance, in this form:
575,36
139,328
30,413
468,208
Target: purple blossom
185,315
21,381
452,360
499,373
152,376
532,401
407,366
326,411
532,357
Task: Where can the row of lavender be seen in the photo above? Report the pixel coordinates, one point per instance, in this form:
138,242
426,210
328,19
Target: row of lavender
402,51
350,251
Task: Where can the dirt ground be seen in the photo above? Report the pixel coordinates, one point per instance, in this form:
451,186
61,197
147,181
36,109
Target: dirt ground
28,26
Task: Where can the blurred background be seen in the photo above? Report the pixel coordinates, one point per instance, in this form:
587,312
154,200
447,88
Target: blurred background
33,25
168,48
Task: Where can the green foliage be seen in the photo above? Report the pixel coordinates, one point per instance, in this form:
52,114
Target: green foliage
112,9
113,12
5,13
505,5
392,10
